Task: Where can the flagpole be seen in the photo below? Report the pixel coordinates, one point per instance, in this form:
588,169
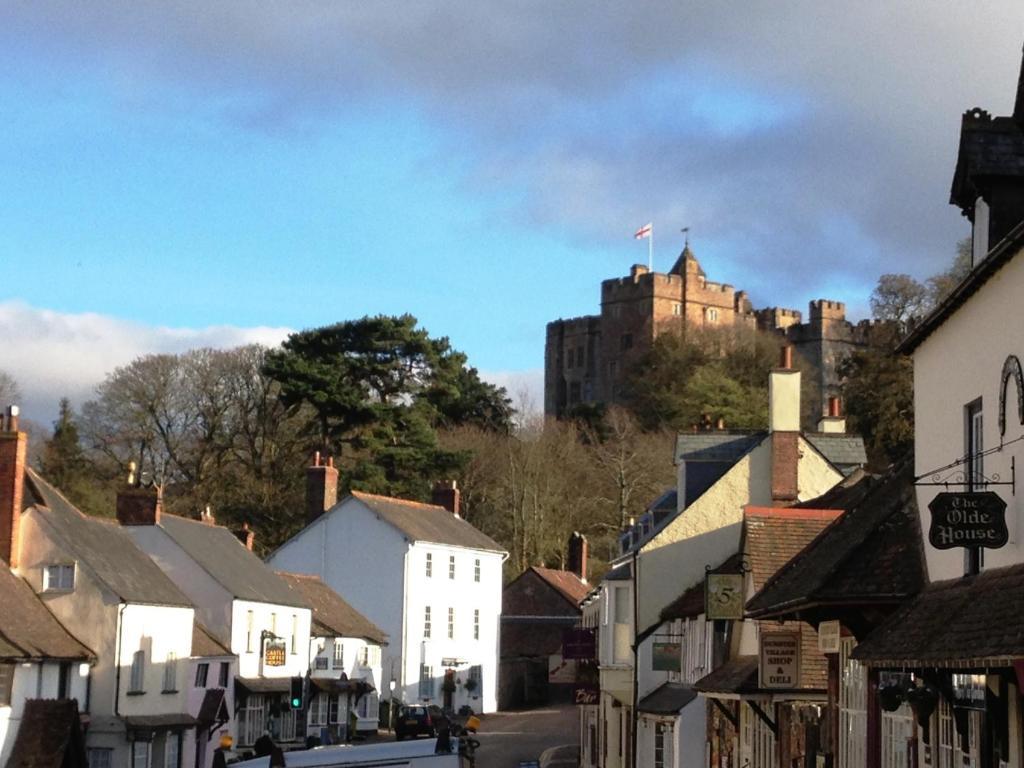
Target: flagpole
650,251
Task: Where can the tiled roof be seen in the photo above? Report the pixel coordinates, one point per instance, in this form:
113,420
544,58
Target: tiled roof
871,554
427,522
716,446
974,621
219,552
106,550
50,734
738,675
204,644
332,615
566,583
27,628
667,699
773,535
846,452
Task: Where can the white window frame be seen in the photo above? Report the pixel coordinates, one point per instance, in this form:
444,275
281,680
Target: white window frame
250,618
451,623
59,577
451,567
172,750
142,754
430,565
476,570
426,686
427,625
202,675
338,654
170,673
100,757
853,707
476,623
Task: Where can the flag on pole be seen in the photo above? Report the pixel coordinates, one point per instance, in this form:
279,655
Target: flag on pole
644,231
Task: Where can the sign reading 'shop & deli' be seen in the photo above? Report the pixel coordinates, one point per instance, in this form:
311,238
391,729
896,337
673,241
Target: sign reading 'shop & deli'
970,519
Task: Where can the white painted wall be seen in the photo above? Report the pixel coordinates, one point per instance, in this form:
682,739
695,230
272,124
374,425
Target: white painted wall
195,697
353,667
37,680
274,618
961,361
383,576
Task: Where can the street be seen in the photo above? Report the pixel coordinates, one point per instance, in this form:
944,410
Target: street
510,737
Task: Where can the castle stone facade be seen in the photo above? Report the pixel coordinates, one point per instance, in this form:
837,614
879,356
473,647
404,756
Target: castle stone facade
587,359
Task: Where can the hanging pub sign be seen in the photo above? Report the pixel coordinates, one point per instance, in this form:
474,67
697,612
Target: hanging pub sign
968,519
779,663
723,596
586,693
274,654
666,655
579,644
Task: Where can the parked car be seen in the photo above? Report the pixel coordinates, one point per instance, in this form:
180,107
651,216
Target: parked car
413,720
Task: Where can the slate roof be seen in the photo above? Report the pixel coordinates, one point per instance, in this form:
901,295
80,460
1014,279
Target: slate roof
332,615
667,699
27,628
845,452
871,554
566,583
737,675
709,455
50,735
103,548
219,552
622,572
427,522
206,645
974,621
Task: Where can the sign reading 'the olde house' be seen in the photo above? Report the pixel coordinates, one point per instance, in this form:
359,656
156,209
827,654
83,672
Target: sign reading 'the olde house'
779,665
971,519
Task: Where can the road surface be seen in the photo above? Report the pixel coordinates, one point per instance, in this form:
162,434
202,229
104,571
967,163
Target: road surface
510,737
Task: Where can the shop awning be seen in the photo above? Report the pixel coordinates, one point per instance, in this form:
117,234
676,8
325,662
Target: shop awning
264,684
214,709
667,699
159,722
736,676
972,622
335,685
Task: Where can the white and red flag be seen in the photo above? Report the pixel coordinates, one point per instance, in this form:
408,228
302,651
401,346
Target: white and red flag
645,231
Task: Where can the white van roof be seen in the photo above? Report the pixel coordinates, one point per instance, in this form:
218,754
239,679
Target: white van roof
395,753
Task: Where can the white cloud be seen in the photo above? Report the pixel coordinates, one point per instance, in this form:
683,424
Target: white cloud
526,388
56,354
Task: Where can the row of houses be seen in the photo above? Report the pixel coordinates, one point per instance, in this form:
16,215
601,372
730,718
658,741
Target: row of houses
149,639
790,608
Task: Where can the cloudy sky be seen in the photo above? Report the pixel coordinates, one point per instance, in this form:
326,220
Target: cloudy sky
184,173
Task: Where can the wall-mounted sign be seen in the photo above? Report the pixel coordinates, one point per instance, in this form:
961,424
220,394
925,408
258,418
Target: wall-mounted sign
666,655
275,654
586,694
969,519
723,596
779,665
561,670
579,644
452,662
828,637
969,691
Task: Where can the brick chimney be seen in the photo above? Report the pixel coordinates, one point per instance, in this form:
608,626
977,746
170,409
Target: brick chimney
139,505
579,551
446,494
247,536
321,487
13,446
834,423
784,425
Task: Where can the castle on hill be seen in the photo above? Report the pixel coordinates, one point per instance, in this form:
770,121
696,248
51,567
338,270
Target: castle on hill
587,359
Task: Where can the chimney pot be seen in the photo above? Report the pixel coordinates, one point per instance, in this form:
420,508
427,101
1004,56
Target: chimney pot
720,424
834,408
247,536
12,418
786,357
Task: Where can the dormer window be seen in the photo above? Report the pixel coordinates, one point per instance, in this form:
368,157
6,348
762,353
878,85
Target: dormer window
59,578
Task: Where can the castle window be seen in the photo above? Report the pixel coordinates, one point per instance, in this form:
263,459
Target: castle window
627,341
711,315
579,356
574,393
569,359
677,309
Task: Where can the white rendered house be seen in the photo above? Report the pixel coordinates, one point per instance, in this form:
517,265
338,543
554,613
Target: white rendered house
344,664
112,597
244,606
422,574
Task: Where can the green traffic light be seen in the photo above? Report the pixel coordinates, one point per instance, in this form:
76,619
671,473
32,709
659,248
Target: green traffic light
296,703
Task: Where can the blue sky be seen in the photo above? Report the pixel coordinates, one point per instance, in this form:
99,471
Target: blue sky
184,173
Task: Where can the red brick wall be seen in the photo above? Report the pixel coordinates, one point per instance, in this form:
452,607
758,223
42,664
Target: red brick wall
139,506
12,480
785,458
